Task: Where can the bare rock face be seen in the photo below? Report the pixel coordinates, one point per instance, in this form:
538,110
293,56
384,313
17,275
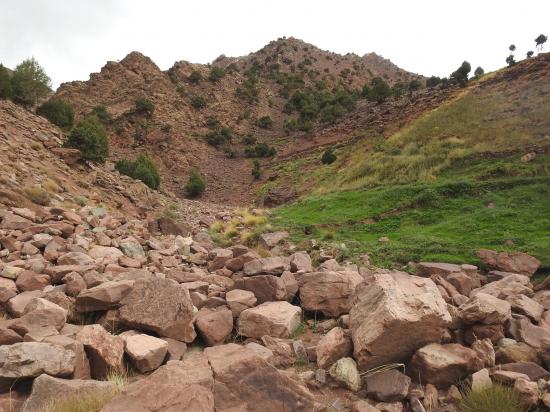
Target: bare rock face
104,296
333,346
486,309
394,315
160,306
276,319
328,292
146,352
443,365
244,381
388,386
516,262
30,359
104,350
46,390
214,325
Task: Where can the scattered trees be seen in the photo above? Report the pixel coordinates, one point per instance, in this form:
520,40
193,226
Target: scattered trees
512,47
530,54
218,136
103,115
260,150
328,157
540,40
57,111
460,75
433,81
196,184
29,83
144,169
510,60
90,138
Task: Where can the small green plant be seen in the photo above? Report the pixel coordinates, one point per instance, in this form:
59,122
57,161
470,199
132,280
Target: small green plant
38,195
58,112
195,77
256,171
102,114
218,137
265,122
196,184
216,74
212,122
146,106
328,157
491,398
144,169
260,150
90,138
479,71
198,102
249,140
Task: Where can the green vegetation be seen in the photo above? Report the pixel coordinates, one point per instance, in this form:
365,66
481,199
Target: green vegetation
90,138
256,169
195,77
479,71
198,102
219,136
540,40
196,184
378,91
144,169
216,74
328,157
460,75
29,83
491,398
260,150
58,112
248,91
103,115
433,81
146,106
265,122
6,91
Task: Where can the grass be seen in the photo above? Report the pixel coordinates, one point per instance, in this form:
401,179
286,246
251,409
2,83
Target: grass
245,227
491,398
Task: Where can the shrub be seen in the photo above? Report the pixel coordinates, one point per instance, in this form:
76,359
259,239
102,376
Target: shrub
6,91
256,171
265,122
414,85
248,90
260,150
196,184
479,71
249,140
58,112
510,60
29,83
460,75
491,398
195,77
144,169
218,137
433,81
198,102
328,157
90,138
212,122
144,105
216,74
38,195
102,114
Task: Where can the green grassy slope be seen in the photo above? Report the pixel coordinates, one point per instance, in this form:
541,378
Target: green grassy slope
447,184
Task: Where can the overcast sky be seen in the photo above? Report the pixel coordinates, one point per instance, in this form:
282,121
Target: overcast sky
72,38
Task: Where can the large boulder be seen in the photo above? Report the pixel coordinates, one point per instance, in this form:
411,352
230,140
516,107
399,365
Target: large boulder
443,365
161,306
513,284
146,352
239,300
524,305
104,296
266,266
214,325
486,309
30,359
328,292
394,315
516,262
388,386
277,319
244,381
104,350
266,288
270,240
333,346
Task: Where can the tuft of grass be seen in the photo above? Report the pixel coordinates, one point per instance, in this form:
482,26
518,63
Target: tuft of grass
51,186
118,378
299,331
38,195
490,399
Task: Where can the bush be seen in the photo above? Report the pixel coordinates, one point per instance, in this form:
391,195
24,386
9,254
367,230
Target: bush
479,71
198,102
38,195
216,74
219,136
90,138
58,112
6,91
248,90
491,398
144,169
265,122
29,83
328,157
256,171
260,150
433,81
249,140
196,184
212,122
144,105
195,77
102,114
378,91
460,75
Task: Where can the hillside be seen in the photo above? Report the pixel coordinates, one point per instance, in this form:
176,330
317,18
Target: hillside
471,173
249,88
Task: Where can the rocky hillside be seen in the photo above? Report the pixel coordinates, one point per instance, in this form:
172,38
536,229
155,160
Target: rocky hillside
249,88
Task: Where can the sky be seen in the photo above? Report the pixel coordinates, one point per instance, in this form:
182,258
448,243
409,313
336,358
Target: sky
73,38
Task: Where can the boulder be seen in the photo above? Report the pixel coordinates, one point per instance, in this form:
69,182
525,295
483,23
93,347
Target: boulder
270,240
485,352
31,359
388,386
40,314
75,258
239,300
82,364
484,308
328,292
526,306
481,331
160,306
214,325
543,298
29,281
266,288
105,296
74,284
176,349
104,350
394,315
300,262
277,319
345,371
132,248
507,286
528,393
333,346
522,330
266,266
235,264
105,254
533,371
218,258
47,390
16,305
516,262
480,380
517,352
443,365
146,352
464,282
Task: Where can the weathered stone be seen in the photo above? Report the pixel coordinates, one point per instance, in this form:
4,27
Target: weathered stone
266,288
74,284
82,364
75,258
105,254
266,266
218,258
176,349
526,306
104,350
239,300
485,352
464,282
11,272
486,309
214,325
300,262
39,314
394,315
480,380
30,359
388,386
528,393
506,377
9,336
532,370
235,264
333,346
291,285
29,281
160,306
270,240
517,352
16,305
522,330
443,365
328,292
507,286
543,298
104,296
146,352
132,248
345,371
516,262
482,331
277,319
